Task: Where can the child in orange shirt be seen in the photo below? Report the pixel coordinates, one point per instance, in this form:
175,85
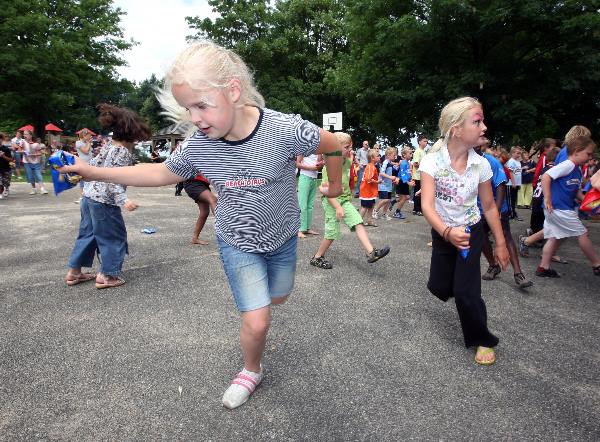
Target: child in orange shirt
369,188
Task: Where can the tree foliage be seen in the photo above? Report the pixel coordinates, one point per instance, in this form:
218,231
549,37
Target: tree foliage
290,47
534,64
391,65
58,60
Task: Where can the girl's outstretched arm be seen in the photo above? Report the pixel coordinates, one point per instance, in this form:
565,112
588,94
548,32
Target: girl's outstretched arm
143,175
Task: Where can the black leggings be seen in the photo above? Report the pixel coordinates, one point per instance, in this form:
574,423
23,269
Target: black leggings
451,275
417,198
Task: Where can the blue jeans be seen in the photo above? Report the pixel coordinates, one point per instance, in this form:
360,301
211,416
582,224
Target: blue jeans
34,173
101,229
256,278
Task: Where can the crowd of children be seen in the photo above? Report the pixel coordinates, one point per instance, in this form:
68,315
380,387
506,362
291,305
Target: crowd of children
250,155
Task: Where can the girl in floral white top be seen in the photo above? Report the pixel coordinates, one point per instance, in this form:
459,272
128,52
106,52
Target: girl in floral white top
452,175
102,228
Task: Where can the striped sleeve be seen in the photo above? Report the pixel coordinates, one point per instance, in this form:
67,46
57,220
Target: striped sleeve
179,164
306,137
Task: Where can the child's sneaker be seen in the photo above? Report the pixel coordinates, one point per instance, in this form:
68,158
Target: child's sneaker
399,215
44,191
523,248
33,192
242,386
387,217
377,254
320,262
375,215
491,273
522,282
546,273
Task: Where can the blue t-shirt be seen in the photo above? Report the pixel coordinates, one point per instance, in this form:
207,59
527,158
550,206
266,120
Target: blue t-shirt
404,173
562,155
566,181
386,184
498,177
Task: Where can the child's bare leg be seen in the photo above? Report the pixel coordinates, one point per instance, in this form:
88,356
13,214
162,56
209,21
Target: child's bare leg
401,201
513,255
204,209
253,335
548,251
362,236
588,249
323,247
487,250
532,239
362,212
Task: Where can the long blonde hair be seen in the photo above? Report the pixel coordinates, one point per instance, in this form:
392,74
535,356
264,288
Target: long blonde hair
204,65
452,115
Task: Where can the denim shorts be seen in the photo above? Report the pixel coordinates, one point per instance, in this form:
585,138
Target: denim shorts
256,278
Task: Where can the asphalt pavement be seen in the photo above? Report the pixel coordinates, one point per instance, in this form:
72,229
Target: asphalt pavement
360,352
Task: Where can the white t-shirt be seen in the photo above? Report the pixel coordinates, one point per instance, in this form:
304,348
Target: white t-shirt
361,155
456,195
310,160
515,168
79,144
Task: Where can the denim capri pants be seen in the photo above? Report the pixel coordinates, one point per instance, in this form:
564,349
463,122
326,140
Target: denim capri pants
102,229
256,278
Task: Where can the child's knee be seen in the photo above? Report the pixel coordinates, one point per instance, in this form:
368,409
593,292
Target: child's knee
256,325
279,300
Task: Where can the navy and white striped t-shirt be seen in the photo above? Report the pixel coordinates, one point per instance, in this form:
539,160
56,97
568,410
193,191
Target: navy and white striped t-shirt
257,209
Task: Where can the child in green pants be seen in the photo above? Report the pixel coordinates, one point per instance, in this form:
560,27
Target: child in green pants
341,209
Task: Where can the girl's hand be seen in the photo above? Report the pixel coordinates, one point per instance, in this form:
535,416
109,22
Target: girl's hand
501,254
548,204
130,205
339,213
459,238
418,192
79,167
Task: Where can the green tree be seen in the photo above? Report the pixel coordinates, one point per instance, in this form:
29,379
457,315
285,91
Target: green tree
142,99
534,64
58,60
290,47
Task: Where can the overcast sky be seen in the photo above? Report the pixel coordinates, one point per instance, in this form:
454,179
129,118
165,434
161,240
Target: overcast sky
160,28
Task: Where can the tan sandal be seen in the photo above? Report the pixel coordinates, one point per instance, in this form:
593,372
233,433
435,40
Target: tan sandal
109,283
80,277
483,352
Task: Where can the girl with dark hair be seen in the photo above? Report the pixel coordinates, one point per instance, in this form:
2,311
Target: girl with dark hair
102,228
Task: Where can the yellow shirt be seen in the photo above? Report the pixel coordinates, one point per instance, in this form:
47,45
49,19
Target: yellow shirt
417,157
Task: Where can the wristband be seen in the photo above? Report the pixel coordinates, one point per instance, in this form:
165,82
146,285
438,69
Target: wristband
337,153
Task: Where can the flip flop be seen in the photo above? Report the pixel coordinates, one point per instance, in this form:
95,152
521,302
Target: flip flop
559,260
110,283
76,279
485,352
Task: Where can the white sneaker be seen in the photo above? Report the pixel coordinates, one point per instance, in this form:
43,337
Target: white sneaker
5,193
33,192
375,215
242,386
388,217
44,191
